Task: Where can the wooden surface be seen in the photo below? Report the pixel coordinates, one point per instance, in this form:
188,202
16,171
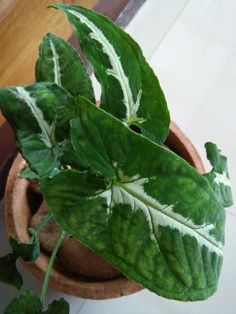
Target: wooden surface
5,7
22,30
1,119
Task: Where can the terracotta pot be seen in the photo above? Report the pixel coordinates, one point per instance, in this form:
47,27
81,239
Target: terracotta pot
79,259
21,202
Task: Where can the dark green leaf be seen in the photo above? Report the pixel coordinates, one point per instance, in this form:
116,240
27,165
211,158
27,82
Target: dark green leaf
58,307
28,174
71,158
158,220
27,303
29,252
87,184
8,271
59,63
130,89
39,115
219,176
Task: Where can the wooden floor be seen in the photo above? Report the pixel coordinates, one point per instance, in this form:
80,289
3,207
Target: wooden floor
21,31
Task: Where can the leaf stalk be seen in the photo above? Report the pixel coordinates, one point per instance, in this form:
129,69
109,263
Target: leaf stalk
50,264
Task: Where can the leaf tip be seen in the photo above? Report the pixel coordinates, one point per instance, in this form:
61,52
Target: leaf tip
52,6
56,6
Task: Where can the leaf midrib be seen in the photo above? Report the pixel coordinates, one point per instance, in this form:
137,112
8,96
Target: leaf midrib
126,89
36,111
154,206
56,64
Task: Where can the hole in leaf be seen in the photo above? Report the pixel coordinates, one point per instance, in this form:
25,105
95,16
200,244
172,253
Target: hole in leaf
135,128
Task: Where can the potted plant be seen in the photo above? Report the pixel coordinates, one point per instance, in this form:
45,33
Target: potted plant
106,176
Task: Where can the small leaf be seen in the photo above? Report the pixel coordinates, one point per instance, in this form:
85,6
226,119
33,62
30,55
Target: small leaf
130,89
59,63
27,303
154,217
219,176
28,174
58,307
29,252
8,271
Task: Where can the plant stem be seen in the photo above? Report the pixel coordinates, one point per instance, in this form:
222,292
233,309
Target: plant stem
50,264
43,223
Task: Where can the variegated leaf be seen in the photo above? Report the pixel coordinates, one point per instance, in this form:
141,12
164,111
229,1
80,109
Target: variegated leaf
130,89
39,115
219,176
155,217
58,62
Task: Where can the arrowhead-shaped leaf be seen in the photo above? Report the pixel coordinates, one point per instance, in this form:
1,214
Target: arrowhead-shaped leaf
219,176
130,89
8,271
59,63
29,252
39,115
27,303
158,220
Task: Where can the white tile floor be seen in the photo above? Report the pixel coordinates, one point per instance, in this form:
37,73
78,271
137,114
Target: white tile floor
192,47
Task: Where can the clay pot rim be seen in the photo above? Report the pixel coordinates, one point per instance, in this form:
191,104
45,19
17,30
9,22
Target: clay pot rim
60,280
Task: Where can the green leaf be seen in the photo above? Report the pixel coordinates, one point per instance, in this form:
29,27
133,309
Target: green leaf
58,307
219,176
71,158
158,220
29,252
90,184
28,174
130,89
8,271
27,303
39,115
59,63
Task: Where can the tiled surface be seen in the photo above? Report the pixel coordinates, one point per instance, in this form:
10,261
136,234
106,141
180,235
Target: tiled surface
192,47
